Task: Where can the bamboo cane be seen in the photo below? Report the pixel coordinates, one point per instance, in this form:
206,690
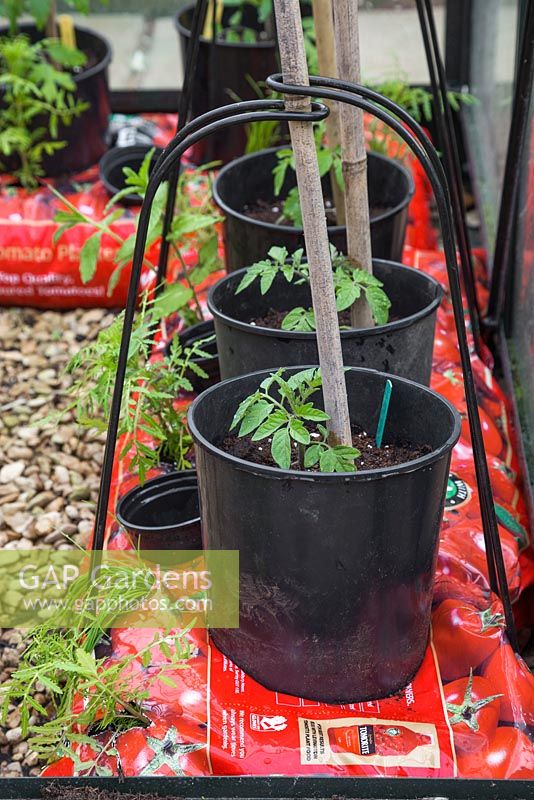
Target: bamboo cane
51,26
295,70
323,20
353,152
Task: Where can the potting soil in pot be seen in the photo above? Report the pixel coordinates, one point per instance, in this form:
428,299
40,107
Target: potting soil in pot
467,711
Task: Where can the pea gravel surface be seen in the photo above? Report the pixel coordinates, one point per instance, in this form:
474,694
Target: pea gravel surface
49,474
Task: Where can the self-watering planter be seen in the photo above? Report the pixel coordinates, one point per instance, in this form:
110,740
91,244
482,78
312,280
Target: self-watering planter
336,570
225,71
113,163
163,514
191,336
240,185
402,347
86,136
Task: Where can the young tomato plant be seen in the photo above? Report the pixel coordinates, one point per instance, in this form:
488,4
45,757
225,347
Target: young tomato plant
349,284
292,423
38,95
195,215
88,694
151,387
329,159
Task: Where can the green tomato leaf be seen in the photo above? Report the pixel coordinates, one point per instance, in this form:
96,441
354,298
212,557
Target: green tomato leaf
281,448
254,416
89,256
312,455
299,432
299,319
379,303
174,297
271,424
328,460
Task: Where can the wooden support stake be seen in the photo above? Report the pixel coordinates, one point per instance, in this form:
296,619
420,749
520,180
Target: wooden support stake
353,152
323,19
295,70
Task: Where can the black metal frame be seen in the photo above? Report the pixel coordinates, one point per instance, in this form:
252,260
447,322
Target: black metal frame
448,145
267,788
516,145
413,134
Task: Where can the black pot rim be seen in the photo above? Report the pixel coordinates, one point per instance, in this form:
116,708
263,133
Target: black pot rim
185,31
378,330
84,74
111,155
275,473
333,229
171,478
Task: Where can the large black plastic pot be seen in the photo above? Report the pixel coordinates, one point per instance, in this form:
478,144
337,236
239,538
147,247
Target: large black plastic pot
163,513
86,136
189,337
336,570
402,347
248,179
225,71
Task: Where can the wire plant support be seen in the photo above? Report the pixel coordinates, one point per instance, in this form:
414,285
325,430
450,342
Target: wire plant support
414,136
448,145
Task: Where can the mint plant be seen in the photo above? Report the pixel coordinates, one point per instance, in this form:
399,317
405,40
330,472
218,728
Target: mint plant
350,283
292,423
37,97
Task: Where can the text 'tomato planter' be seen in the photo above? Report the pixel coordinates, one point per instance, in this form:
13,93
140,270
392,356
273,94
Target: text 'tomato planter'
163,513
246,180
402,347
336,570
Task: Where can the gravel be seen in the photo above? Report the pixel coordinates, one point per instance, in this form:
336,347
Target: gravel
48,475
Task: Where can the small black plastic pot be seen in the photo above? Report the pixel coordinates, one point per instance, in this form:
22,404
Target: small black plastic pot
190,336
115,160
246,180
163,514
86,136
402,347
226,71
336,570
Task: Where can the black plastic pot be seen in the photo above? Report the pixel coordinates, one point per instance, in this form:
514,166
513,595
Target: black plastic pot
226,71
86,136
248,179
189,337
403,347
336,570
163,514
115,160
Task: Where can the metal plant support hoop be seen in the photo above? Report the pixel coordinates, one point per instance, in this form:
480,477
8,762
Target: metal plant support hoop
447,143
414,136
184,108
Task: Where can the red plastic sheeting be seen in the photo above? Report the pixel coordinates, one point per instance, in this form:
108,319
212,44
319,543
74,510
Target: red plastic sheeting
218,721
